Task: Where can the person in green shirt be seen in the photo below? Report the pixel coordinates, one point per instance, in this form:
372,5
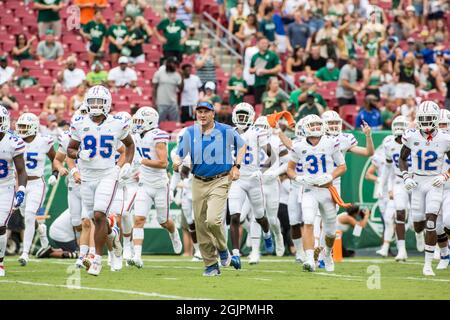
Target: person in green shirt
298,96
237,86
48,16
267,26
264,64
135,42
328,73
309,107
117,36
95,32
273,99
25,80
97,76
210,95
191,43
171,29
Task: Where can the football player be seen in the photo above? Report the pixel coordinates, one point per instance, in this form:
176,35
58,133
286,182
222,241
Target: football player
427,147
94,142
151,143
11,150
37,148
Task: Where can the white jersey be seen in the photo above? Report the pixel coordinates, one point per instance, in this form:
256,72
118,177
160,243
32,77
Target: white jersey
392,153
63,140
299,164
346,142
275,145
10,146
61,229
255,138
427,157
102,140
319,159
36,153
146,147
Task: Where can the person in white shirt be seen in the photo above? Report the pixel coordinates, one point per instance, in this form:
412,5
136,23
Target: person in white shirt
71,77
122,75
248,55
189,95
6,72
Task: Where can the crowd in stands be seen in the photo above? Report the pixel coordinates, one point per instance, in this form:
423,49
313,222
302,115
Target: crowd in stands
368,59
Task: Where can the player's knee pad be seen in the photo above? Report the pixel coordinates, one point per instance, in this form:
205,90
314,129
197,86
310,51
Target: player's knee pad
126,224
441,238
430,225
2,230
138,233
329,228
400,217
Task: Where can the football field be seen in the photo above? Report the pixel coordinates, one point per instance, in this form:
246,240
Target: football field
171,277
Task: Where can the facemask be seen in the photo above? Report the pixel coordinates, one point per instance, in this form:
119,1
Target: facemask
330,65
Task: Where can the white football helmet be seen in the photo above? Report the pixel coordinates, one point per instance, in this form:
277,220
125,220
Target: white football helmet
27,125
427,116
313,126
263,123
399,125
444,119
82,109
332,122
4,119
243,115
125,115
299,132
145,119
98,101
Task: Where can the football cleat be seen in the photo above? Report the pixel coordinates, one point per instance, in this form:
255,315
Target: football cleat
127,252
176,242
443,263
236,262
384,251
420,242
328,262
279,243
428,270
320,264
87,261
79,263
309,266
268,243
2,271
401,255
212,271
95,268
300,256
254,257
138,263
225,258
23,260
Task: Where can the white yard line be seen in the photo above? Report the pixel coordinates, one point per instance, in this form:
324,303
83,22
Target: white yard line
427,279
262,279
131,292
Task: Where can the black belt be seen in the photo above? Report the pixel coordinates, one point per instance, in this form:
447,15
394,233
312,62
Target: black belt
206,179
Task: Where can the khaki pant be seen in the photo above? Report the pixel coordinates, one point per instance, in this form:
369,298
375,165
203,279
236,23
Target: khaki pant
208,201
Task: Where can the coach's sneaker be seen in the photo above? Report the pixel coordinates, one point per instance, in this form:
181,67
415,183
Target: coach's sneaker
96,266
428,270
2,271
225,258
328,262
23,260
176,241
420,241
279,243
254,257
401,255
268,243
309,266
443,263
236,262
212,271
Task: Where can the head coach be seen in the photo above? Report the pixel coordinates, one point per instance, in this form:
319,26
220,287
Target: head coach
210,146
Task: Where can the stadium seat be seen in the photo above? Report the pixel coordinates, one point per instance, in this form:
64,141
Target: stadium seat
77,47
349,113
119,106
169,126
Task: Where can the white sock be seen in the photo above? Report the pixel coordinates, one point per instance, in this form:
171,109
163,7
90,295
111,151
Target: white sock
444,251
266,235
98,258
126,241
275,227
138,234
196,247
83,250
92,250
236,252
173,235
429,254
28,235
400,244
42,229
137,251
328,250
255,235
2,246
385,246
309,255
298,244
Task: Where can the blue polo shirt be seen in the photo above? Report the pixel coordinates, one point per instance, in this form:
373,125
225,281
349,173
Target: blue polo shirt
211,154
373,118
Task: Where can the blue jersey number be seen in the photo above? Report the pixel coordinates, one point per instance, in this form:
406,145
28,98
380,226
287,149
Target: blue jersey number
105,147
31,160
299,167
314,164
396,157
426,160
248,157
144,153
3,169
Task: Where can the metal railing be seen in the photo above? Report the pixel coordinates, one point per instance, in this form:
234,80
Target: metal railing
228,34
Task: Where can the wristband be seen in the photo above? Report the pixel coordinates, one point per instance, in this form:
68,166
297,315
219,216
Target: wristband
405,175
21,188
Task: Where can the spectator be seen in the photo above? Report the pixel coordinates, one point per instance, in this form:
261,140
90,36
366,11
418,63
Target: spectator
77,99
97,76
309,107
6,72
122,75
56,103
48,16
273,99
307,86
171,29
336,10
88,8
428,52
249,52
281,40
23,49
408,109
135,41
326,38
299,33
134,8
264,64
209,95
408,78
71,77
95,33
387,86
206,63
117,36
249,28
369,114
295,63
345,43
434,11
225,114
238,19
146,30
328,73
430,81
7,99
388,114
411,46
191,42
409,22
441,31
167,82
237,86
25,80
372,78
315,61
184,10
50,49
347,86
267,25
446,77
190,93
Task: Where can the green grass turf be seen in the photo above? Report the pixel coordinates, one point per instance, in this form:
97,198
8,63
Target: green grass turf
172,277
